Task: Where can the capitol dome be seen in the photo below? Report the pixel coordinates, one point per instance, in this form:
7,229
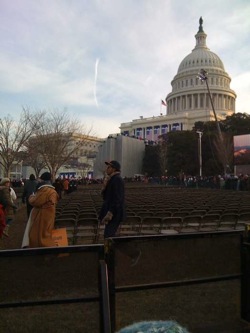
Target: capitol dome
201,56
190,94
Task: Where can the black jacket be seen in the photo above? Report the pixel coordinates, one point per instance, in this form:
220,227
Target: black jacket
29,188
113,199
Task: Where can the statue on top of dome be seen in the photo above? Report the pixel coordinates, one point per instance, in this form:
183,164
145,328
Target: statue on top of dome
201,27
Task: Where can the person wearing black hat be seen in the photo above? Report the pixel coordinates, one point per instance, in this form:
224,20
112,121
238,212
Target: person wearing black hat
112,210
45,178
115,165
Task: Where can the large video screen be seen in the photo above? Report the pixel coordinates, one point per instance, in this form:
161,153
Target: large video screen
242,149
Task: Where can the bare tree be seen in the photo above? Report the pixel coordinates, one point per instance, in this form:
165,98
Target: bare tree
84,168
32,158
13,136
58,139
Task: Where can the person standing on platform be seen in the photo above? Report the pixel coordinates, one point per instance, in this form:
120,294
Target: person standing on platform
112,211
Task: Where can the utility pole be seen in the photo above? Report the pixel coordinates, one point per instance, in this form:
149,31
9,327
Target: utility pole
204,78
200,151
202,75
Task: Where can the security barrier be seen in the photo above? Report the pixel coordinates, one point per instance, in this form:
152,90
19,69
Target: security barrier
49,289
199,279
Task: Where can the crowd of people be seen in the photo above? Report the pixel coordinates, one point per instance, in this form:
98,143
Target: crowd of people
40,197
240,182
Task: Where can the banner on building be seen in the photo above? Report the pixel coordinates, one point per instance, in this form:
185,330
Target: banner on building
242,149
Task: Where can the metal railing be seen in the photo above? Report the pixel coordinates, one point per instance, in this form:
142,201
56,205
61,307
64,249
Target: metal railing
204,258
46,277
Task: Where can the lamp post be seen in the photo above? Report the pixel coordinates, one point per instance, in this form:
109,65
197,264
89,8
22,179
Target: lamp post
200,151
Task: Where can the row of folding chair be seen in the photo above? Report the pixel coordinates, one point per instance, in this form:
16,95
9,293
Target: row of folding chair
185,212
76,214
189,197
80,218
159,204
155,198
136,225
79,231
88,229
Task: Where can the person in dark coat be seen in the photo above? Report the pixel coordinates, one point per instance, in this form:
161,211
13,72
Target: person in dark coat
112,211
29,188
113,208
58,185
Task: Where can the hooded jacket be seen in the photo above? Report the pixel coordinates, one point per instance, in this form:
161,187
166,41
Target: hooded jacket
42,216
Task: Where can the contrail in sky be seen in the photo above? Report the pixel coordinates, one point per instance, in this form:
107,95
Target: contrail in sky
96,72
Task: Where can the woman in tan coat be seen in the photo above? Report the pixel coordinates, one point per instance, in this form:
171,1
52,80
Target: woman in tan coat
43,213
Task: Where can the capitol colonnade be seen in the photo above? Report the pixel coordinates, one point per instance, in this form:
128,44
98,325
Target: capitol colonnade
200,101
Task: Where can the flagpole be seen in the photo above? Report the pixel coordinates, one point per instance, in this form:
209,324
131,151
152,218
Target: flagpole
165,104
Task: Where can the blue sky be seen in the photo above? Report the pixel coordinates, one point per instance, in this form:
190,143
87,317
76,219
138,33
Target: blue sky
112,61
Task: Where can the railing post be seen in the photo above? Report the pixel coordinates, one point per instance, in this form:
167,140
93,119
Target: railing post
105,322
110,261
245,279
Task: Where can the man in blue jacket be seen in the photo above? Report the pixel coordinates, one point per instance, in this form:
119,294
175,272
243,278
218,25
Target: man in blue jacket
112,211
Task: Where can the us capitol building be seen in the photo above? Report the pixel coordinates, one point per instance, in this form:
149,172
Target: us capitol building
189,100
188,103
